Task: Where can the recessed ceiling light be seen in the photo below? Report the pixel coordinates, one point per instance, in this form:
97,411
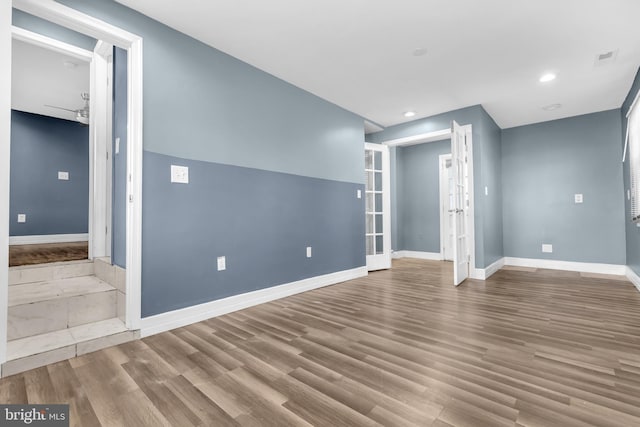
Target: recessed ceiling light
552,107
409,113
547,77
419,51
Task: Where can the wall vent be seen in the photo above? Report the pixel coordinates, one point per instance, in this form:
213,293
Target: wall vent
605,58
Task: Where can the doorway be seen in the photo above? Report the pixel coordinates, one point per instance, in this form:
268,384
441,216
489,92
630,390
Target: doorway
79,22
456,226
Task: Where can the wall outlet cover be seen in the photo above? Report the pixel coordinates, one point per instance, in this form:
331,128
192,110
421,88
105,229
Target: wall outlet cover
63,176
222,263
359,194
547,248
117,145
577,198
22,218
308,251
486,191
179,174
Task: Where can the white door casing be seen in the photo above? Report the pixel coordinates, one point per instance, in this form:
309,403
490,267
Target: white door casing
377,207
459,160
57,13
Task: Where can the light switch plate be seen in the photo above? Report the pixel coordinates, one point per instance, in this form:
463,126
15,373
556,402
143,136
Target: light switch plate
308,251
486,191
179,174
117,145
22,218
63,176
222,263
546,248
578,198
359,194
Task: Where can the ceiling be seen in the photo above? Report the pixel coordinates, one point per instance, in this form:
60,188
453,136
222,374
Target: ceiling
359,54
40,77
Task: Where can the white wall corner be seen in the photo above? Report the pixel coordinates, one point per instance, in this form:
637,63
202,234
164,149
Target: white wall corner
186,316
582,267
633,277
485,273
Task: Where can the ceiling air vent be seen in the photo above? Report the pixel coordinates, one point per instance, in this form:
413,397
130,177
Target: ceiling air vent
606,58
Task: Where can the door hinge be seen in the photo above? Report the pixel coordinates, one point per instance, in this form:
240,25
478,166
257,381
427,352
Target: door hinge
106,230
130,198
107,155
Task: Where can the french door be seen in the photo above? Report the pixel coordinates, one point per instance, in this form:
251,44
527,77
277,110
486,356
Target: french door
459,161
377,206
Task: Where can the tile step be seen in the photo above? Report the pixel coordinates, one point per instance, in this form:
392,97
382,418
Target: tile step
40,350
53,271
54,289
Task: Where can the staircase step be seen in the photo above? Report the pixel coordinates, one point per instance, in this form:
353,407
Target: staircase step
45,272
39,350
41,307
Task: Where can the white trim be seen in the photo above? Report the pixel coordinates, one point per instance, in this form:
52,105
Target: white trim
48,43
633,277
186,316
432,256
5,155
471,225
70,18
382,261
437,135
485,273
48,238
583,267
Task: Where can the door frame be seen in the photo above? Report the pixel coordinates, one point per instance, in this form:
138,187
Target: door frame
70,18
439,135
443,200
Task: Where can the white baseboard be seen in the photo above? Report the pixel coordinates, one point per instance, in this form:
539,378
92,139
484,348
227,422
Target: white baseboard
633,277
48,238
186,316
583,267
433,256
485,273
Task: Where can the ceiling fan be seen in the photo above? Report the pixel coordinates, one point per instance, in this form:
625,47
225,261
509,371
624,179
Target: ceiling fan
82,114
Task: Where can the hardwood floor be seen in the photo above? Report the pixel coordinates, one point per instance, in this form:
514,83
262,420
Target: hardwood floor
47,252
400,347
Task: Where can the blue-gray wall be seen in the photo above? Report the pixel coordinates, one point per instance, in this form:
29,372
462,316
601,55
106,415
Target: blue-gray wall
543,166
261,221
273,169
418,195
631,230
487,172
119,160
46,28
40,147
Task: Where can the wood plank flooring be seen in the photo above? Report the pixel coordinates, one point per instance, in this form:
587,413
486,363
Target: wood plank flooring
47,252
398,348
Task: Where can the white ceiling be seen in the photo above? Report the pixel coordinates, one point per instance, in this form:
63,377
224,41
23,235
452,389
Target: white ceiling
359,53
39,76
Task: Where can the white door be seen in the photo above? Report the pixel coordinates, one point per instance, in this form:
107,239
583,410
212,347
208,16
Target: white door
446,207
377,206
459,160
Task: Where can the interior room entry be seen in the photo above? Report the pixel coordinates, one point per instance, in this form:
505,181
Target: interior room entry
446,207
377,206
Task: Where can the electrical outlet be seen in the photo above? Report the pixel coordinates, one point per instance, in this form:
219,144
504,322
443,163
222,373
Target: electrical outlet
179,174
547,248
22,218
222,263
117,145
63,176
577,198
308,251
486,190
359,194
